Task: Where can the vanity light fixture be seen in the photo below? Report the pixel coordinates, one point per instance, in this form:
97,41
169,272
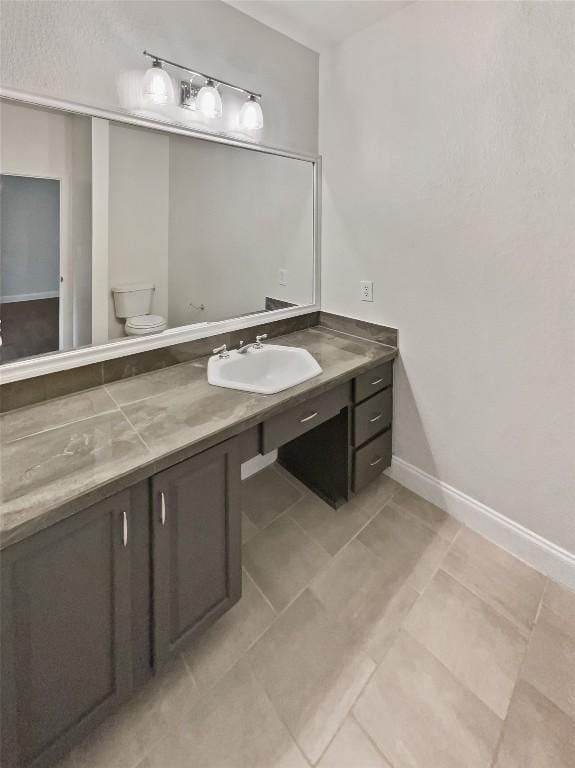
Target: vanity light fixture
251,115
157,86
206,99
189,95
209,100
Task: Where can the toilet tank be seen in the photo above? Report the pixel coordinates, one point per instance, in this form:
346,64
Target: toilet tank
131,299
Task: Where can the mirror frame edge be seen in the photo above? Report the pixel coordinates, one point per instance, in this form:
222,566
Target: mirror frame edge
75,358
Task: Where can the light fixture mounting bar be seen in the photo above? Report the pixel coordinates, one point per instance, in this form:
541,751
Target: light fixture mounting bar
202,74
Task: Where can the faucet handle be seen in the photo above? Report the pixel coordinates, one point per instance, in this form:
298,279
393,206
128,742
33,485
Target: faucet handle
221,351
259,340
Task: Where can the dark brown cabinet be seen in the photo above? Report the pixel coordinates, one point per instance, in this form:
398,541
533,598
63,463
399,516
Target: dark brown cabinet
83,621
352,442
66,627
196,545
93,605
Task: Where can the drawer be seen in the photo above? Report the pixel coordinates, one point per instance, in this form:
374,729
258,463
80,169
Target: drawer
373,381
294,422
370,460
372,416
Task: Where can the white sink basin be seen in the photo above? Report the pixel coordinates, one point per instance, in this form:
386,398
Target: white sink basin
267,370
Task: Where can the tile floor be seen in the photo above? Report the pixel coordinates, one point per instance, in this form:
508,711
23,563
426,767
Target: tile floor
379,635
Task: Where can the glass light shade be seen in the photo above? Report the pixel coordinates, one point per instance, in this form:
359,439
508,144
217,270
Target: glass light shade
251,115
209,100
157,86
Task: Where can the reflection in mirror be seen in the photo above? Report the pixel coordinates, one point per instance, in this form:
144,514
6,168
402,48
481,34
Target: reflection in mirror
110,230
45,230
219,232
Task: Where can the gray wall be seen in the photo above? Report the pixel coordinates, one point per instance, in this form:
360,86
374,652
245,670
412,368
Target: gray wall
451,184
87,51
236,218
29,237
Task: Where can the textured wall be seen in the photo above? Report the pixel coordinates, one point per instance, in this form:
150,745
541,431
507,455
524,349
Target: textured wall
450,181
87,51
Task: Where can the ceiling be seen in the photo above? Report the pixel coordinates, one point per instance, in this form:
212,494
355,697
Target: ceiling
318,24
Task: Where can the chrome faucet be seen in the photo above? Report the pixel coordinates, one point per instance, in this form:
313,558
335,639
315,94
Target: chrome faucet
222,352
257,344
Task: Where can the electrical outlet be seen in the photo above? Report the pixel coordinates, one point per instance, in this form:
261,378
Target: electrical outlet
283,276
366,290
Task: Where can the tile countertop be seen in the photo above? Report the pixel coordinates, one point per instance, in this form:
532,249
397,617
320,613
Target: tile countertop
60,456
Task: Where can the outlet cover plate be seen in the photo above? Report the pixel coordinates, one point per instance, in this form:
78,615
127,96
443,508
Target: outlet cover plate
366,290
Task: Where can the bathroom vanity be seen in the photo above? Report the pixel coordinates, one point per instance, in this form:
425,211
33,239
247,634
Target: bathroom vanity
120,523
142,562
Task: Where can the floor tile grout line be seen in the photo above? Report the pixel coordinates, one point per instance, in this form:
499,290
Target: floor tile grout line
519,676
244,654
289,478
525,636
427,524
373,515
524,630
439,567
277,517
541,601
259,589
454,676
326,565
521,628
349,711
371,741
310,537
451,544
353,538
264,690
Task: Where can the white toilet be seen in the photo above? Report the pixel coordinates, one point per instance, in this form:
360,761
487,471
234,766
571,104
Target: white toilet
133,302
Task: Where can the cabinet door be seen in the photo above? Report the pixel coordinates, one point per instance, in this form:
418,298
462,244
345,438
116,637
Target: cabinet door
197,545
66,658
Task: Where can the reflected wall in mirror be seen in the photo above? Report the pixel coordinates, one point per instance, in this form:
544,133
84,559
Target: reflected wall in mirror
220,232
109,230
45,230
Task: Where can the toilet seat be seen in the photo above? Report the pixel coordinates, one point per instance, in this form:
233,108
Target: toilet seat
142,325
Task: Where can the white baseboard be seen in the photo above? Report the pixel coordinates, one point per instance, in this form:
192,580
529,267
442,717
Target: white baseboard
258,463
533,549
29,296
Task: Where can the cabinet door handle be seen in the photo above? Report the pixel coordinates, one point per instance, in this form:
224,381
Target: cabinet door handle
376,418
377,381
162,508
375,462
125,529
308,418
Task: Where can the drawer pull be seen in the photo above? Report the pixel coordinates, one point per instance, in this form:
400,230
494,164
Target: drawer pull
377,381
125,529
375,462
308,418
376,418
162,508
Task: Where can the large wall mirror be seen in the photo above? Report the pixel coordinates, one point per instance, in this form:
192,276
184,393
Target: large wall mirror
121,233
